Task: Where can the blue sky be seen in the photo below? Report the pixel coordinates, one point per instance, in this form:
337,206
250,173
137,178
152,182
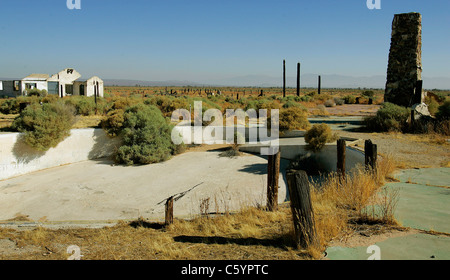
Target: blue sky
198,40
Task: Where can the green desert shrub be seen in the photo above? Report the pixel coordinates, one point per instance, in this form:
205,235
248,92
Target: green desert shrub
368,94
113,122
12,105
45,126
318,136
37,92
329,103
443,112
350,99
146,136
86,106
389,117
339,101
432,104
293,118
290,104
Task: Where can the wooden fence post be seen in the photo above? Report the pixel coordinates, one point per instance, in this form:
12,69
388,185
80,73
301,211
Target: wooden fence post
273,174
341,148
301,207
169,211
370,151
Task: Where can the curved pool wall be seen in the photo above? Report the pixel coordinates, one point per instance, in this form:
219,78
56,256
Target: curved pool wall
17,158
326,158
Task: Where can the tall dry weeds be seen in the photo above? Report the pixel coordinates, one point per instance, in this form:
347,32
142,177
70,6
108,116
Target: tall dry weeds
338,199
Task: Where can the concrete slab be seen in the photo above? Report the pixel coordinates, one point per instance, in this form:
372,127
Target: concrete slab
98,190
410,247
423,207
425,176
339,123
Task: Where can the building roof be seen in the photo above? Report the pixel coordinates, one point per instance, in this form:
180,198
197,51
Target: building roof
37,77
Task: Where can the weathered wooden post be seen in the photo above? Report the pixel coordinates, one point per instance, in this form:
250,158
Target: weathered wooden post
341,148
298,79
169,211
273,174
370,151
301,207
284,78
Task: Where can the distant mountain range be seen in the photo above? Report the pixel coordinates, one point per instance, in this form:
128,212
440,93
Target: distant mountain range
307,80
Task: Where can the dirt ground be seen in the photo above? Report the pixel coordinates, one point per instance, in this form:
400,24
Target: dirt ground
408,150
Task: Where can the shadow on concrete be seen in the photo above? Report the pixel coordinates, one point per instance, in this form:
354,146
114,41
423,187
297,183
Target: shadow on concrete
261,169
23,152
104,148
258,169
280,242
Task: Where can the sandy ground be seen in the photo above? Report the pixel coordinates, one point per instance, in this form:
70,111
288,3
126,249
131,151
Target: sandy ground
409,151
99,190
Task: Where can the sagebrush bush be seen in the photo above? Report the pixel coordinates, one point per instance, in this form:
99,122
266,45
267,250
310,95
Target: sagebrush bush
350,99
318,136
293,118
432,104
389,117
290,104
443,112
339,101
113,122
86,106
12,105
146,136
45,126
329,103
37,92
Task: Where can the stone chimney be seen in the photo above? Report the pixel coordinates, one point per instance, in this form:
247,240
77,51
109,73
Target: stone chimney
404,73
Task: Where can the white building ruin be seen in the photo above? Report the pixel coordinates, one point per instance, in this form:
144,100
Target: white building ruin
65,83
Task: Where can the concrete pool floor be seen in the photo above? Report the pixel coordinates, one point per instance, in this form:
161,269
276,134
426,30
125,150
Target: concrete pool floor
423,207
101,191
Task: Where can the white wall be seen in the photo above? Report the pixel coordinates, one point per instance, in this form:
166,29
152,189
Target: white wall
64,78
16,158
40,85
90,84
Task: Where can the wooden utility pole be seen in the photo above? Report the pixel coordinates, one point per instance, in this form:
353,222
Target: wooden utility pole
169,211
298,79
273,174
341,148
301,207
319,84
284,78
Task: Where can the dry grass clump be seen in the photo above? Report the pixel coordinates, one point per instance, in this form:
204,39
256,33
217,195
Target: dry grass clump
341,200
